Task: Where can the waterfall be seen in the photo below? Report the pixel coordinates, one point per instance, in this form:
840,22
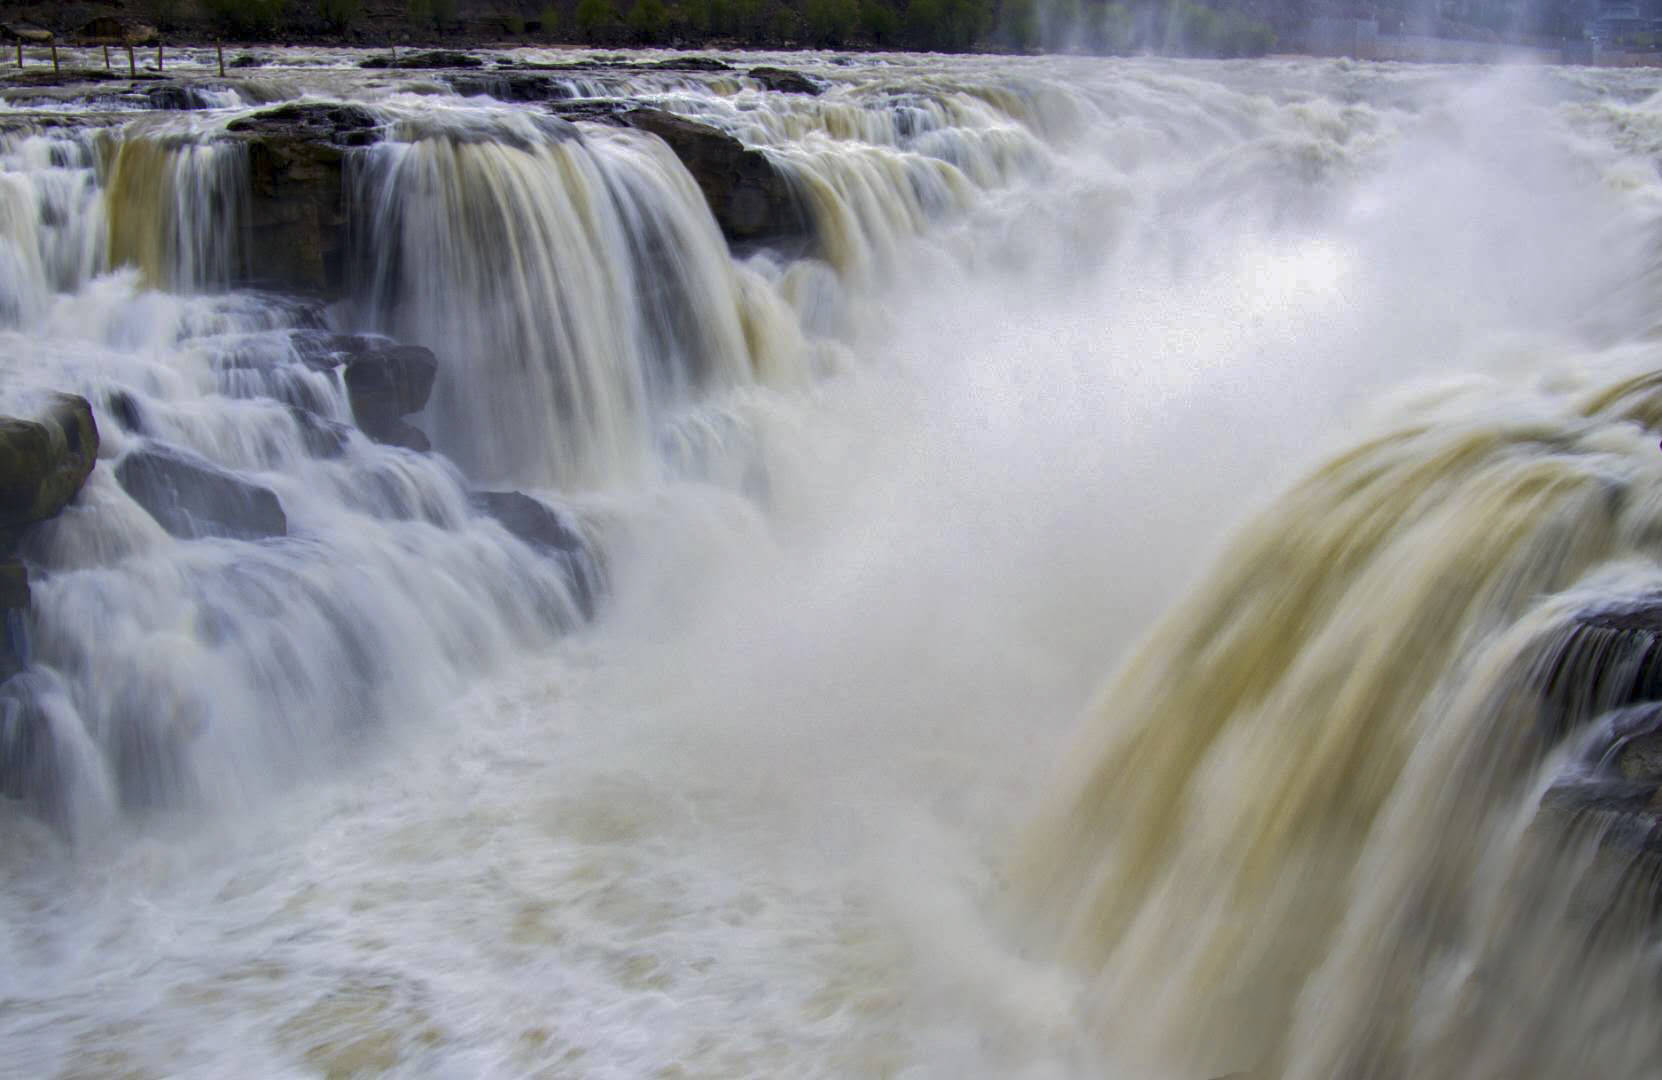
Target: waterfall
605,566
1298,840
583,278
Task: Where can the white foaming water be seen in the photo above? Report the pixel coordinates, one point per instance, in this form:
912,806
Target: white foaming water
876,524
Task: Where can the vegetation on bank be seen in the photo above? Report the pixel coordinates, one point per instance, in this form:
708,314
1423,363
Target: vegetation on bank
1187,27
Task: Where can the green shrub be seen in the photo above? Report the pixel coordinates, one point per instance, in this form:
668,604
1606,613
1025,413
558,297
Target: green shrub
830,22
245,16
648,20
1017,24
879,23
548,21
163,13
431,13
945,25
596,19
339,14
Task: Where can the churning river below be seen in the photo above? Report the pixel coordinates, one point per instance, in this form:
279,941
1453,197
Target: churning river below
1060,568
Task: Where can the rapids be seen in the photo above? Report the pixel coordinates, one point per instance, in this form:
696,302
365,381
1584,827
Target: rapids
1107,605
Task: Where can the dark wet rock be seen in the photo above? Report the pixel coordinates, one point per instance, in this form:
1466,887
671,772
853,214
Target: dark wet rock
323,438
542,527
15,598
691,63
417,61
384,381
43,463
400,432
785,80
532,520
508,86
126,411
45,460
297,207
386,385
610,112
32,770
749,196
1600,686
177,96
1608,658
193,498
14,585
246,60
325,350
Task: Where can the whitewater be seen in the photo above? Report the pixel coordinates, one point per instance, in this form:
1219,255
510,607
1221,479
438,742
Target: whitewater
1112,601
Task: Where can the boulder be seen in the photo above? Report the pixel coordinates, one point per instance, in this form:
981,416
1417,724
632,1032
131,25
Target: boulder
384,381
785,81
543,528
176,96
1611,656
417,61
322,438
691,63
386,385
125,408
44,461
246,60
508,86
193,498
32,770
15,599
751,199
1602,686
532,520
297,206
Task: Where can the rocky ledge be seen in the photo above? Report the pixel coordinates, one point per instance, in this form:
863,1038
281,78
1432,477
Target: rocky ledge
300,213
751,198
385,381
44,460
1601,686
298,210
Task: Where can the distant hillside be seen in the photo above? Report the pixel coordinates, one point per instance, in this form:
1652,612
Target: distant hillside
1213,28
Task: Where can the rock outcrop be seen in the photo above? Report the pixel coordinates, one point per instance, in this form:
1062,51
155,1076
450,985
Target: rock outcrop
785,81
192,498
298,207
1603,686
542,527
690,63
421,61
508,85
43,463
387,385
751,198
385,381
